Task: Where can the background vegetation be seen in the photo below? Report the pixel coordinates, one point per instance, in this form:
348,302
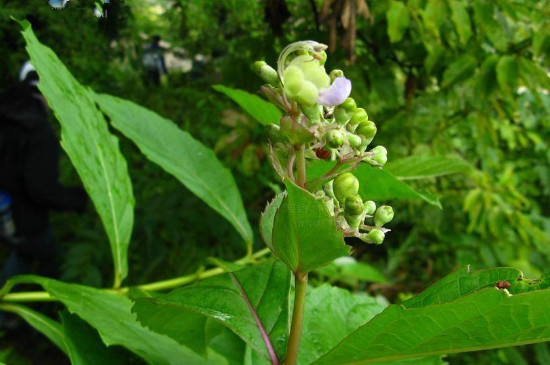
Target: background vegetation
439,77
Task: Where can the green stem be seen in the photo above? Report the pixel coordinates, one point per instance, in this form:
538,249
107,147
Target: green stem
301,166
41,296
297,319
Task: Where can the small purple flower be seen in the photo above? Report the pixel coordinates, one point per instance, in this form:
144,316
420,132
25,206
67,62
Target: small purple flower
336,93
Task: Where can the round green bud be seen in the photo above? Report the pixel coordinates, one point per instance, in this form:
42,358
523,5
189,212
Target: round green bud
381,156
319,194
345,185
354,140
322,57
348,105
383,215
353,206
366,129
334,74
266,72
375,236
344,111
334,138
370,207
359,115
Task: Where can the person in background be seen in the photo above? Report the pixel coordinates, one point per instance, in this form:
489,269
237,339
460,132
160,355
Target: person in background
29,186
153,62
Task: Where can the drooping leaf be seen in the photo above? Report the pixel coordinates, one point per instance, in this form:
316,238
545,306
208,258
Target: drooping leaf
459,70
461,20
331,314
93,150
486,319
111,315
424,166
225,298
304,235
459,283
193,164
263,111
45,325
398,20
84,344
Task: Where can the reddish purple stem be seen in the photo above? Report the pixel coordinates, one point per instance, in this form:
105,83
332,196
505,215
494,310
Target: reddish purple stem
267,341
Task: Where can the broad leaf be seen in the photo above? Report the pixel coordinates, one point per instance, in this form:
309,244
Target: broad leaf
193,164
398,20
93,150
423,166
233,299
111,315
461,20
331,314
507,70
304,234
268,218
459,70
45,325
486,319
263,111
84,344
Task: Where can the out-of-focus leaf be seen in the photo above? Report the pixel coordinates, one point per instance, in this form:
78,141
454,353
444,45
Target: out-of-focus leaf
486,80
459,70
484,20
486,319
93,150
332,314
398,20
461,20
508,73
304,235
227,299
363,272
192,163
424,166
263,111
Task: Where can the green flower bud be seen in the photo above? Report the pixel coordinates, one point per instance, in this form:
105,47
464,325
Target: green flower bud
345,185
381,156
329,203
344,111
328,189
266,72
319,194
359,115
366,129
370,207
334,138
384,214
375,236
354,140
353,205
334,74
303,78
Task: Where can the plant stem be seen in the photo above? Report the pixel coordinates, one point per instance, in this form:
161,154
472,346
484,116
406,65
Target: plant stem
41,296
301,166
297,319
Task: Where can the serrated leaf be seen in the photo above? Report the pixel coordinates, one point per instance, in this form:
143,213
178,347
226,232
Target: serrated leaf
192,163
459,70
332,314
398,20
461,20
424,166
224,299
486,319
263,111
111,315
93,150
304,235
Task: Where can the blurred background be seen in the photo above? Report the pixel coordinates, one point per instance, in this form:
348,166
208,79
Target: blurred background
439,77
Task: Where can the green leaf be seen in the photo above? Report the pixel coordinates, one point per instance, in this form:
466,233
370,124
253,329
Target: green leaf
45,325
111,315
268,218
224,299
486,319
459,283
193,164
398,20
304,235
485,21
93,150
459,70
85,346
363,272
487,78
507,70
461,20
331,315
424,166
379,185
263,111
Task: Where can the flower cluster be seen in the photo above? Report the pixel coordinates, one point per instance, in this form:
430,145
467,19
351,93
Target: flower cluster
324,123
